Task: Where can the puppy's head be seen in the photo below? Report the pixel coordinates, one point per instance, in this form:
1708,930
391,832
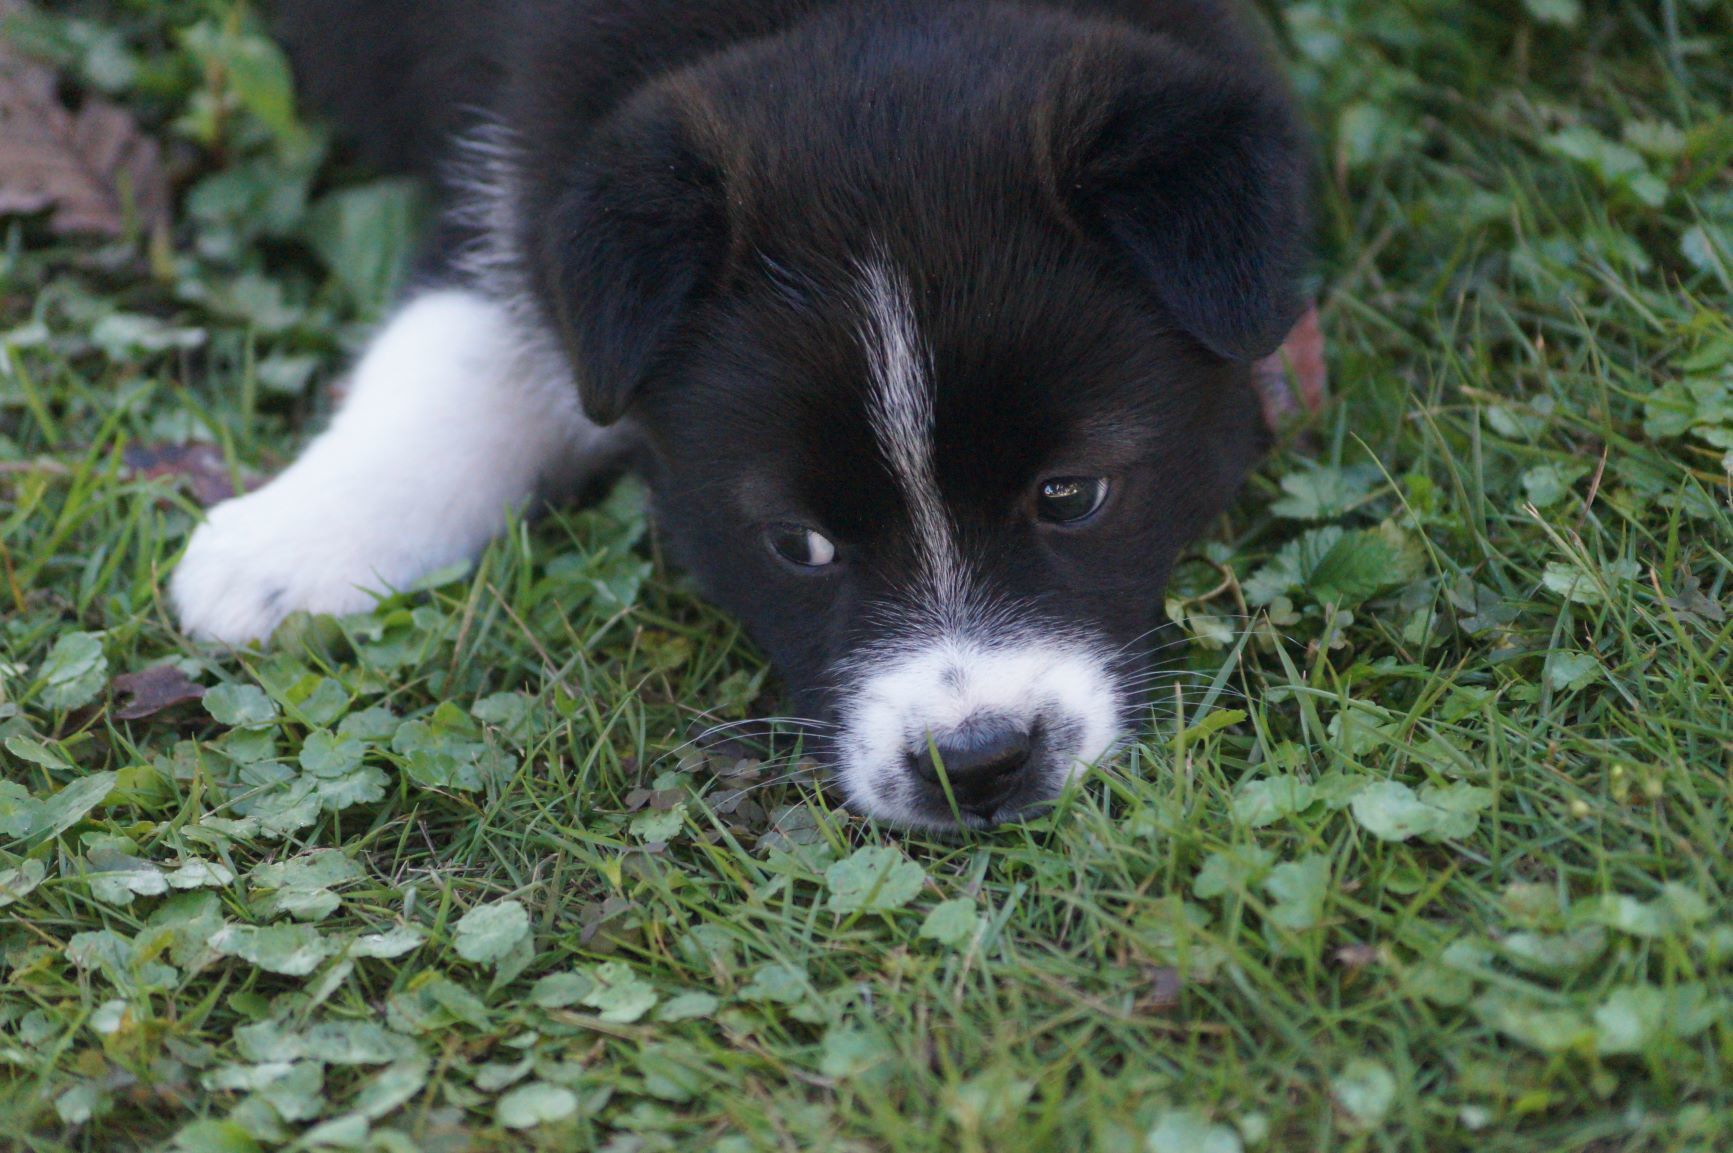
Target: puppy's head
941,363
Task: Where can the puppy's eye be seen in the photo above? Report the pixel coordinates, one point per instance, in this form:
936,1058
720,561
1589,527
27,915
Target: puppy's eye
800,545
1069,499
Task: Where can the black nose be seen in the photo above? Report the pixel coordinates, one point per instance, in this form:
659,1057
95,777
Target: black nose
981,763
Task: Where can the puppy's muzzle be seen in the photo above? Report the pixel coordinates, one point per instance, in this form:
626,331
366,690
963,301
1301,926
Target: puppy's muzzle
957,729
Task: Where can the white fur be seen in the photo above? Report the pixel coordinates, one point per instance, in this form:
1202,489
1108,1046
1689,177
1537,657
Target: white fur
904,700
900,407
453,419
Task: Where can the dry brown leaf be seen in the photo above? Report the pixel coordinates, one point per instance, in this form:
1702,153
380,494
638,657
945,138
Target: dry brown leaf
200,465
86,166
1295,379
150,691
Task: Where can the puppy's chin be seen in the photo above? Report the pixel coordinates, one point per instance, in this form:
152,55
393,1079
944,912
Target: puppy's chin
959,731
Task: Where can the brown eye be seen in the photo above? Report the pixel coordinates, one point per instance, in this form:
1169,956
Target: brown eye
799,545
1070,499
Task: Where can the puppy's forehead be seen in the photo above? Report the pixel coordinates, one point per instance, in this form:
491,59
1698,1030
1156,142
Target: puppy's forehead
971,393
843,414
887,393
901,413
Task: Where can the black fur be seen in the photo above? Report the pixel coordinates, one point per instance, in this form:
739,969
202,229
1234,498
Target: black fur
1098,205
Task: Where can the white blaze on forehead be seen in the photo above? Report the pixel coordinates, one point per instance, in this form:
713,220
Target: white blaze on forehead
900,409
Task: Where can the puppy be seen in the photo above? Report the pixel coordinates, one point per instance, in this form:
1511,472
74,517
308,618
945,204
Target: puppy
930,324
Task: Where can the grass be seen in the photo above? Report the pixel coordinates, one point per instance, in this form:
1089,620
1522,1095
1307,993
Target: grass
1426,848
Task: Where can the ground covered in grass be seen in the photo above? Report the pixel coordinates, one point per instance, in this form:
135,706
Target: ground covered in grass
1427,848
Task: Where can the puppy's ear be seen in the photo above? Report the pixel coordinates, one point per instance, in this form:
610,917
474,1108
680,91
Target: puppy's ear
1196,172
629,246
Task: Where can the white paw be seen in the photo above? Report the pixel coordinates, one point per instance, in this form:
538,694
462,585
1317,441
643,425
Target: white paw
452,420
260,557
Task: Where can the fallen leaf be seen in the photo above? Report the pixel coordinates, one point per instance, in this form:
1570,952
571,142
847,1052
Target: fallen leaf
151,691
89,167
201,465
1294,380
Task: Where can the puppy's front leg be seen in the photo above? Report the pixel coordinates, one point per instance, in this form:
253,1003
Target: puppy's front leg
452,420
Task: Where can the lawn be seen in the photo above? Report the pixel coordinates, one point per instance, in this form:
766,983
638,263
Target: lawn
1428,844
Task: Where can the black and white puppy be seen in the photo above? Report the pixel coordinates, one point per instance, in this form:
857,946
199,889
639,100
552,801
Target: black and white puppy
930,323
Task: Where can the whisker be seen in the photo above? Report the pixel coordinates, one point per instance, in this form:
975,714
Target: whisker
737,795
1184,692
1173,675
1169,685
769,727
802,722
1120,651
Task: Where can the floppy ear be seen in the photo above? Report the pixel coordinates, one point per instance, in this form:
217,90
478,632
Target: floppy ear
627,249
1199,178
